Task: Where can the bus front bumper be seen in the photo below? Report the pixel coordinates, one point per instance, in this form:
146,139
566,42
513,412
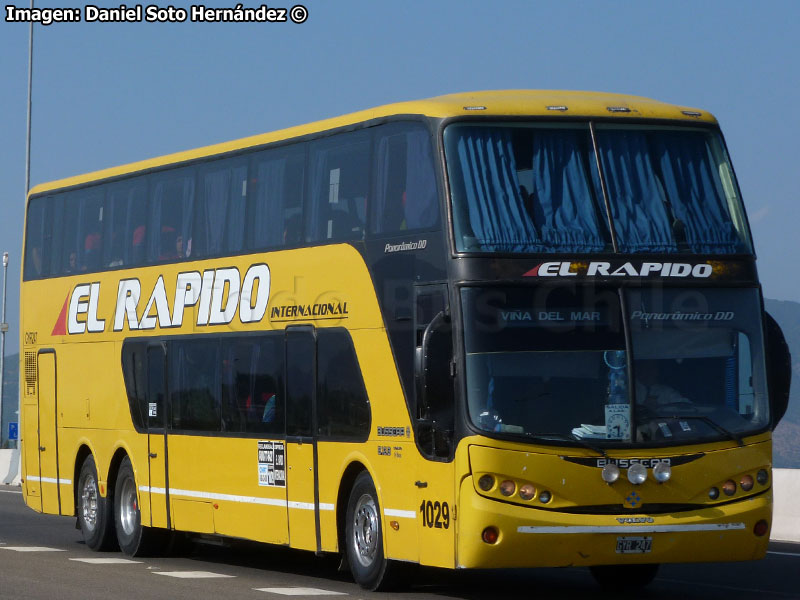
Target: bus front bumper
530,537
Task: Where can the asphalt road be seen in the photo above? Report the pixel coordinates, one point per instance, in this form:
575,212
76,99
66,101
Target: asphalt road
43,557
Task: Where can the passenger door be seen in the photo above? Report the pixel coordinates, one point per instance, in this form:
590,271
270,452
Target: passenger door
48,436
301,448
156,419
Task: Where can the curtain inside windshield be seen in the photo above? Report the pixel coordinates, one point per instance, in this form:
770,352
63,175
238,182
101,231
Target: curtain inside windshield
526,190
666,192
536,188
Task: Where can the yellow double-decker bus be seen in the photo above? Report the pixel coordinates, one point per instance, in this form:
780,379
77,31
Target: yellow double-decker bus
484,330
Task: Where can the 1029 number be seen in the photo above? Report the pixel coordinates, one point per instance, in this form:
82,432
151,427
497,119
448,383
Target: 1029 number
435,515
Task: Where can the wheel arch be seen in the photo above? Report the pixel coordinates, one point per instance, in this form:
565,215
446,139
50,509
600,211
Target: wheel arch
353,470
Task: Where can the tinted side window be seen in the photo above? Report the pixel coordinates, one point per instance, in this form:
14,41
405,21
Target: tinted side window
276,200
342,405
125,222
170,219
300,351
219,221
68,259
339,187
194,385
405,180
134,370
252,384
37,239
156,382
90,229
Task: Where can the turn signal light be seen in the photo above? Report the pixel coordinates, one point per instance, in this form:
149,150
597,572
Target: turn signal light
508,487
729,487
527,491
746,482
490,535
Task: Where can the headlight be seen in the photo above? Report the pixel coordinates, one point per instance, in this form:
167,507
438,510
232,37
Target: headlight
637,474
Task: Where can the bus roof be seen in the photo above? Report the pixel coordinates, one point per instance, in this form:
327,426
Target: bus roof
551,103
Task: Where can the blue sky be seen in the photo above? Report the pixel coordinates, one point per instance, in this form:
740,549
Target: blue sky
107,94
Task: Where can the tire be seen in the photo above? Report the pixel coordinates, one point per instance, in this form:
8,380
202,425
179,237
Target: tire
94,512
364,536
624,577
133,539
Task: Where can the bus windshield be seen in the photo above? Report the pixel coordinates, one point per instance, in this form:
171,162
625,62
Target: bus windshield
555,364
521,187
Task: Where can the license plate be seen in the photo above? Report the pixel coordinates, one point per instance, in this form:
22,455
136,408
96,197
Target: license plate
634,545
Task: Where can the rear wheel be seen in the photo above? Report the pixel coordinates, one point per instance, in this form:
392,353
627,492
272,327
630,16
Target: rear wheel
624,577
94,511
364,536
134,540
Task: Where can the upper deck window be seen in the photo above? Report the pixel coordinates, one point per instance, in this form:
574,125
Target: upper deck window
537,188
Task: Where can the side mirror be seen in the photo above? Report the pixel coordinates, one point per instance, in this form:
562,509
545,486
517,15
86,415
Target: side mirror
432,366
779,369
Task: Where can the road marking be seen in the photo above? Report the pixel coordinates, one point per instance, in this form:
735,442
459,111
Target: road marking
192,574
783,553
300,591
107,561
32,549
10,491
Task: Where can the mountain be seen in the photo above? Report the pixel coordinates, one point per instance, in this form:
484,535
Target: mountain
786,447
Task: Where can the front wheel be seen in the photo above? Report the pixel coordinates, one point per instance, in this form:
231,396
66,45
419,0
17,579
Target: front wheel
134,540
364,535
624,577
94,511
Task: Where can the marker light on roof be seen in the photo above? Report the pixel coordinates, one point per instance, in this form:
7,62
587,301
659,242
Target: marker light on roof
692,113
560,107
474,108
618,109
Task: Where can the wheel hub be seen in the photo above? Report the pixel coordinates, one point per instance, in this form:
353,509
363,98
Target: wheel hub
365,530
89,503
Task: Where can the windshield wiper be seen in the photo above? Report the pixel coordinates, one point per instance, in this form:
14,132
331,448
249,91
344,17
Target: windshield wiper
570,438
708,421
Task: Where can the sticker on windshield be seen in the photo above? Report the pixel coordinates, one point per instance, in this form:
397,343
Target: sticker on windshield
618,421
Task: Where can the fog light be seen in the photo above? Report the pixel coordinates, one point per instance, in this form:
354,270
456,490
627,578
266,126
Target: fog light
490,535
610,473
637,474
729,487
713,493
508,487
662,472
761,528
486,482
762,476
527,491
747,483
545,497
